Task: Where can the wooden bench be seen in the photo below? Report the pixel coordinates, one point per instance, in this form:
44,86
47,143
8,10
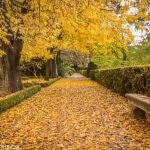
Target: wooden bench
140,105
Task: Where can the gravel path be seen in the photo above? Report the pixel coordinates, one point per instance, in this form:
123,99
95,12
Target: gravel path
73,115
77,76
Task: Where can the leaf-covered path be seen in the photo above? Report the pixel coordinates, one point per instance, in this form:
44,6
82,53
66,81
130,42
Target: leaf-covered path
73,114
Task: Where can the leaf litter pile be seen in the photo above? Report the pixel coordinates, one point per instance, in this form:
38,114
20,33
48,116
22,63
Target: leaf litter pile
71,115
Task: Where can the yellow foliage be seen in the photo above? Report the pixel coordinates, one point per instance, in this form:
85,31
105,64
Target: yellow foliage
71,24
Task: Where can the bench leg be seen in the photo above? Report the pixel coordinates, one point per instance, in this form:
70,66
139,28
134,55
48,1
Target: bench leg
137,112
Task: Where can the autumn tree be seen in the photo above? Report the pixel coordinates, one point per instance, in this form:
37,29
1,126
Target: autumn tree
11,41
34,29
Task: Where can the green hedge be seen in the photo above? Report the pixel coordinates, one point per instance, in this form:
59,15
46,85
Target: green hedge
17,97
124,80
48,83
83,72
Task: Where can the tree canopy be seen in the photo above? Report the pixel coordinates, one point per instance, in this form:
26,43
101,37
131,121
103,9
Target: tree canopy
70,24
38,29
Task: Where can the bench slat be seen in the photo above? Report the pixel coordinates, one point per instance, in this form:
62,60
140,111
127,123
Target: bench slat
140,101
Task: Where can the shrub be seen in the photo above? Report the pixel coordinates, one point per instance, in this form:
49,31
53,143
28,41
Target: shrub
124,80
91,66
17,97
83,72
66,68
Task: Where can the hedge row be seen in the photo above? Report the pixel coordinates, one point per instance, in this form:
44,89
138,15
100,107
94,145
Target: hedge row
17,97
83,72
48,83
124,80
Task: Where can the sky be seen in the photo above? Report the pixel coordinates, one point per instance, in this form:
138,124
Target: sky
139,34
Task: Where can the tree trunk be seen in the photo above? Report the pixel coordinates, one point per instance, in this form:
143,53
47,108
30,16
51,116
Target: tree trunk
10,63
54,71
53,65
58,59
47,73
124,55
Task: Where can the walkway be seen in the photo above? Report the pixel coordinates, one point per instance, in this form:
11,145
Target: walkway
71,115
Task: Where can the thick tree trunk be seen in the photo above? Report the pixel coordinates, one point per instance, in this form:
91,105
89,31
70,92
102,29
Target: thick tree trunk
10,63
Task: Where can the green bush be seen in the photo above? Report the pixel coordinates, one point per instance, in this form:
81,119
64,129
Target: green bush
48,83
124,80
17,97
66,68
83,72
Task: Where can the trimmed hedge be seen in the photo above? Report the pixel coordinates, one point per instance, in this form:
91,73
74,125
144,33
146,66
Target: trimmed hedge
48,83
124,80
17,97
83,72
